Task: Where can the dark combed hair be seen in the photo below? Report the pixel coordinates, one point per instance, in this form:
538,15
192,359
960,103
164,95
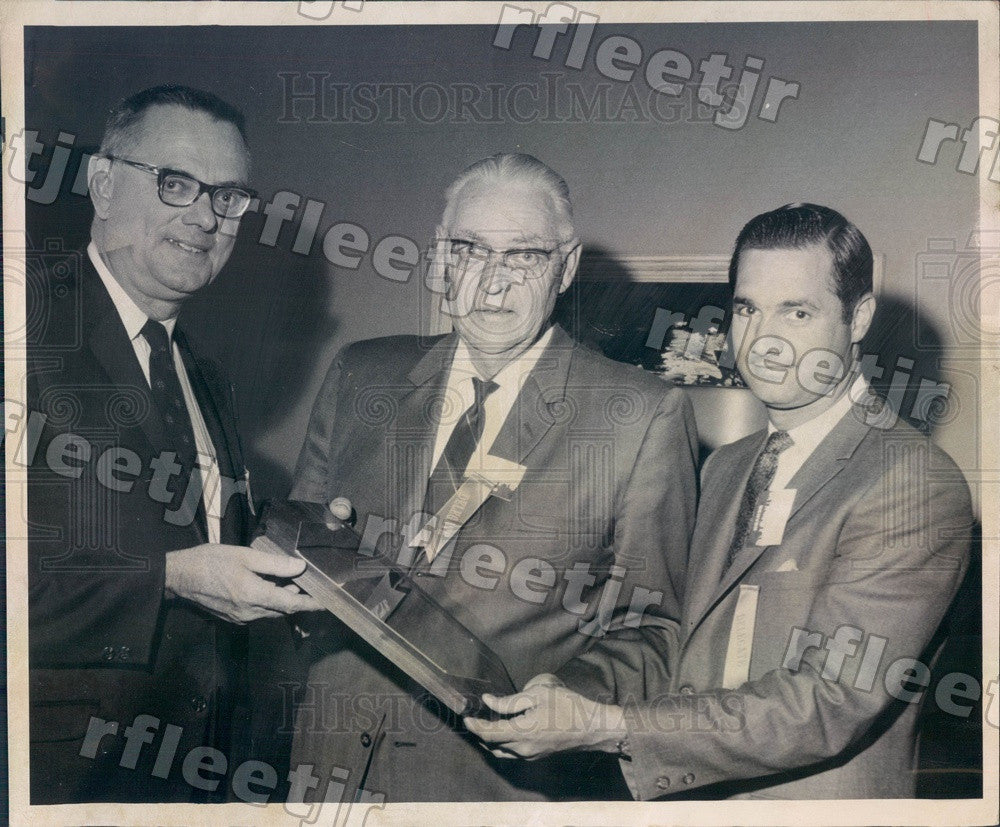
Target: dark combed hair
795,226
121,131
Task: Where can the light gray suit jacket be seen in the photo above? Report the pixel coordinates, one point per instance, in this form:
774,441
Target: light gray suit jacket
876,545
609,489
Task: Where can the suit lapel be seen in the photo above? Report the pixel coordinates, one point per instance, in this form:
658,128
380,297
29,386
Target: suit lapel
829,458
108,341
221,428
536,408
221,425
716,523
415,426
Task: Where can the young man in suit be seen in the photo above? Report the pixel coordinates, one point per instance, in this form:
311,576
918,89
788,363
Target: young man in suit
137,495
826,552
565,558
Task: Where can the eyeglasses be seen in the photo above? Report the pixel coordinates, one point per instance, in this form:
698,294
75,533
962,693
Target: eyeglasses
178,189
532,262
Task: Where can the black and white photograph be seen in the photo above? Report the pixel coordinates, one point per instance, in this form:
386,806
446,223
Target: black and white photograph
501,413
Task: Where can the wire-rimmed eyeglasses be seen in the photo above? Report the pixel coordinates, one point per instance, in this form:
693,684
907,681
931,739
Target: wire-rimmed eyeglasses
466,254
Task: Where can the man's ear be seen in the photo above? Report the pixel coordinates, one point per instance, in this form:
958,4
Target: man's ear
864,312
99,184
570,265
437,279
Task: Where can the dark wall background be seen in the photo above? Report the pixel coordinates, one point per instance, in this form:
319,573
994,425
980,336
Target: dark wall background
275,318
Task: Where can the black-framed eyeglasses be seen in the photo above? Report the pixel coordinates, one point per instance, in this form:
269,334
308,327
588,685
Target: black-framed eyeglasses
532,262
178,189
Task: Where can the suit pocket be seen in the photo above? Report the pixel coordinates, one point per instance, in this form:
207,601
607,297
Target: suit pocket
55,721
804,581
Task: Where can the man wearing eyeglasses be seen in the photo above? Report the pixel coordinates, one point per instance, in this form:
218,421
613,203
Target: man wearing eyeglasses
138,497
591,543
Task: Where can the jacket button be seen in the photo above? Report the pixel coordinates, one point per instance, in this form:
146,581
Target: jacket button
687,689
108,653
366,740
124,653
689,778
199,704
663,783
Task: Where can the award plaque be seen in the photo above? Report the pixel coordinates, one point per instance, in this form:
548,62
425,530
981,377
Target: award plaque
379,601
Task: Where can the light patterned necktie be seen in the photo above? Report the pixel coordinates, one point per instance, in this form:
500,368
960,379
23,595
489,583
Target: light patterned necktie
450,469
760,481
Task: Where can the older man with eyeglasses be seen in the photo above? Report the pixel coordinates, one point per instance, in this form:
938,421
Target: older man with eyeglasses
138,496
591,543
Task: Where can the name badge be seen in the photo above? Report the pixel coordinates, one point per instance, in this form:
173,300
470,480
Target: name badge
770,516
736,671
496,477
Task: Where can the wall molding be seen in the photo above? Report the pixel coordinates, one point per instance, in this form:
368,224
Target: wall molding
654,269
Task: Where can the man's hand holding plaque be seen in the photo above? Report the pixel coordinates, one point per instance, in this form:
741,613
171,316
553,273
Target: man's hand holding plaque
378,600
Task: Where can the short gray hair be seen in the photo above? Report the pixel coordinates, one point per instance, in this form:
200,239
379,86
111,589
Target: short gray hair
515,166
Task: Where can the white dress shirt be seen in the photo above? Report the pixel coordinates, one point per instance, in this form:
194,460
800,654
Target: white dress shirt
807,436
460,395
134,319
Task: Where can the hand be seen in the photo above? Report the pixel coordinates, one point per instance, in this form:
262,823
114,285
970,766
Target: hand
547,718
226,581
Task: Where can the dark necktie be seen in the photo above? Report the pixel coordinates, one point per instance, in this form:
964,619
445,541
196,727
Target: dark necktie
760,481
165,388
450,469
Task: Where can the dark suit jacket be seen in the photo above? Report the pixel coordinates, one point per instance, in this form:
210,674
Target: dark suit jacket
103,641
610,482
876,545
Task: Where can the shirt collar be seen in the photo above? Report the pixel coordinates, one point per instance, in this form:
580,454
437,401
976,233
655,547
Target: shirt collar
132,317
514,374
812,432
